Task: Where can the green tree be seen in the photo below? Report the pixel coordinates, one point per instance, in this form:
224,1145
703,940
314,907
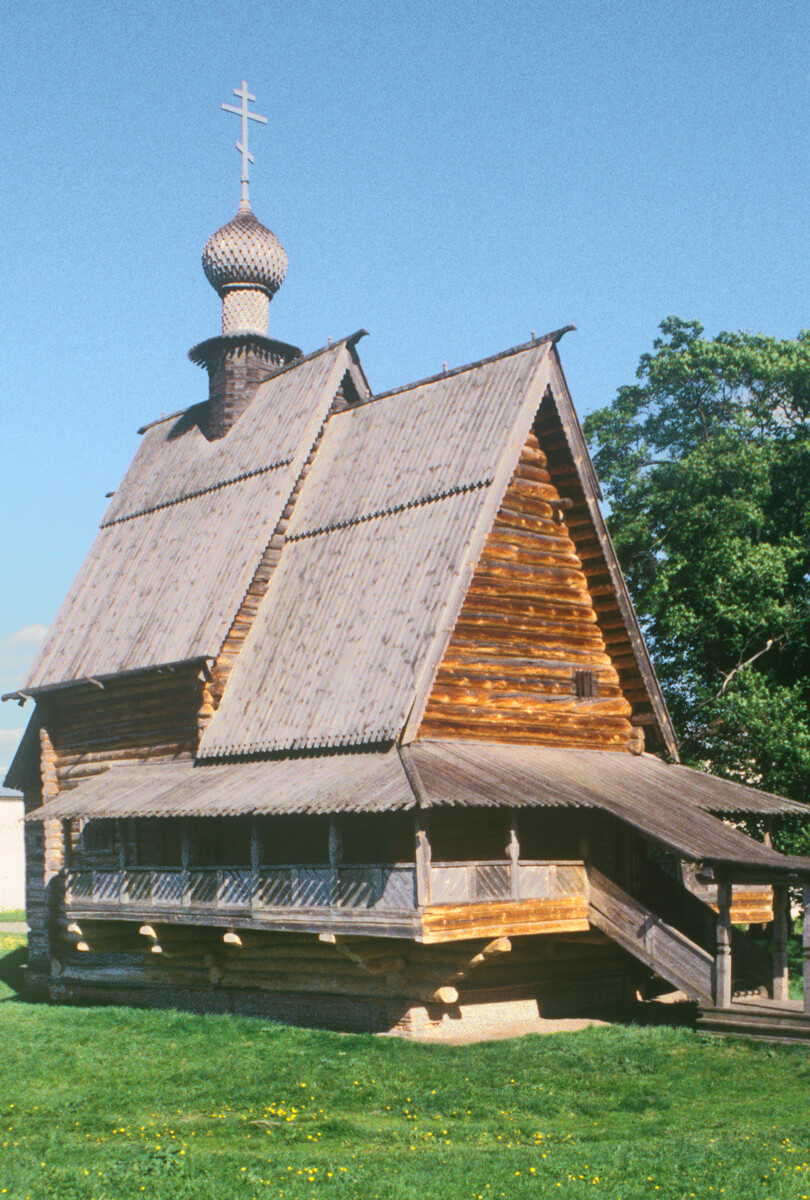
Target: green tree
706,467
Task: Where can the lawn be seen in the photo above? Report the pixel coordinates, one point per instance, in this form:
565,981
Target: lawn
113,1104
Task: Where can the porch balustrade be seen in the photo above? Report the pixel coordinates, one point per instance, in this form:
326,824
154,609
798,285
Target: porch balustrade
387,887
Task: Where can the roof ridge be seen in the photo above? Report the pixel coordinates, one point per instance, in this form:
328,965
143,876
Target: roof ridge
193,495
418,502
532,344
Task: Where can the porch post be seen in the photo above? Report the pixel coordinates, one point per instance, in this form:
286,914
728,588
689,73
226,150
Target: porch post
185,861
335,855
121,835
780,934
806,945
424,890
255,857
722,962
513,850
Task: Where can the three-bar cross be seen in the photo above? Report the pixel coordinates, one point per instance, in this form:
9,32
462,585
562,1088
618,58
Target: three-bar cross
242,146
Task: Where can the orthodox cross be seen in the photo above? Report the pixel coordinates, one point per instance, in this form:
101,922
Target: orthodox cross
242,146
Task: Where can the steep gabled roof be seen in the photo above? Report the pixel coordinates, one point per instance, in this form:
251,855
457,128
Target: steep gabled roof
378,556
183,535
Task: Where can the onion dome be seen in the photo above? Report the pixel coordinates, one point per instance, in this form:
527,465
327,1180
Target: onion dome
244,253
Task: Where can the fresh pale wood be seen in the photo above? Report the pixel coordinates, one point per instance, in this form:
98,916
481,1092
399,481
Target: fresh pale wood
528,601
447,923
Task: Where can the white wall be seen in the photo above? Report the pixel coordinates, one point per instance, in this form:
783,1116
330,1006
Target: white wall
12,855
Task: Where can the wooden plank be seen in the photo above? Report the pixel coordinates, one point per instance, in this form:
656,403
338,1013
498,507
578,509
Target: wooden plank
446,923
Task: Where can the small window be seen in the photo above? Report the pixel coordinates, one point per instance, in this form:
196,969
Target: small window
586,685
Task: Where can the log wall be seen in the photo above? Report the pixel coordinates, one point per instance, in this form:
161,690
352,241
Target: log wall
149,715
617,644
527,649
345,983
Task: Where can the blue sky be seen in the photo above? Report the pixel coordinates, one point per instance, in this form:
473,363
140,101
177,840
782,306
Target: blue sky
450,176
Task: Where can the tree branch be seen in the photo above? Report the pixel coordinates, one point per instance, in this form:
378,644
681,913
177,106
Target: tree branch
742,665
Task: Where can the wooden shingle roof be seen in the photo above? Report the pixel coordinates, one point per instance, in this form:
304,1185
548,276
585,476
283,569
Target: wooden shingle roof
667,804
379,551
181,539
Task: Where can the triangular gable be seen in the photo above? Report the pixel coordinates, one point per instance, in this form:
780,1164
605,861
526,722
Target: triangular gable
572,469
527,661
181,540
377,558
546,648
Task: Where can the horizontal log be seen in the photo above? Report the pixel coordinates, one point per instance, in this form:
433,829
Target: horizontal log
531,607
336,984
607,716
508,521
527,574
522,648
559,633
531,472
173,751
501,678
531,707
557,590
434,726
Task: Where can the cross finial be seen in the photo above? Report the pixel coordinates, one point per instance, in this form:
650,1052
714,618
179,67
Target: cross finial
242,146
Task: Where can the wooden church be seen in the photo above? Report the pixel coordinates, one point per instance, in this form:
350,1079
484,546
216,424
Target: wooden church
347,719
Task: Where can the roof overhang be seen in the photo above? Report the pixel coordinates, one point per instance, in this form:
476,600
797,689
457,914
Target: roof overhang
326,783
668,805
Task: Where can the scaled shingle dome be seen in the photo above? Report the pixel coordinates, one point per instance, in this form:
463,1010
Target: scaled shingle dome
244,253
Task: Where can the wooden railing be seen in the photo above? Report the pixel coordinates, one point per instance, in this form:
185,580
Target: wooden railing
388,887
643,934
478,882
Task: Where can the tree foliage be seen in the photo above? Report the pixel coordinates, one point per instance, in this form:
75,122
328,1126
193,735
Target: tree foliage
706,467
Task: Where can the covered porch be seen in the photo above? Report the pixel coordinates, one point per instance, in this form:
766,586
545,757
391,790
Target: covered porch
435,842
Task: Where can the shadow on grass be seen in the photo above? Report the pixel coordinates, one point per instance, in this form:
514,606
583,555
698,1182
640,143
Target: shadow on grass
12,970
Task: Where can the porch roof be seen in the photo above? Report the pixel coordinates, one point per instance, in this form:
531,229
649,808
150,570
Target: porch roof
670,805
328,783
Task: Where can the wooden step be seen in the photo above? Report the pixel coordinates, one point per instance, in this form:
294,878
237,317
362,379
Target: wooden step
764,1021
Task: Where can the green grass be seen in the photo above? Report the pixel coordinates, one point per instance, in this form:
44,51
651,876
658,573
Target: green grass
11,914
114,1104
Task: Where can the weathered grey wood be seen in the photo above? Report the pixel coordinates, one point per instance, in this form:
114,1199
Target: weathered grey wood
722,967
255,845
424,892
780,936
513,850
626,921
185,859
806,946
335,855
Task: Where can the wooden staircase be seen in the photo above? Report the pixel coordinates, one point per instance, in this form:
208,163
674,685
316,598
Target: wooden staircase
752,966
667,951
765,1021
